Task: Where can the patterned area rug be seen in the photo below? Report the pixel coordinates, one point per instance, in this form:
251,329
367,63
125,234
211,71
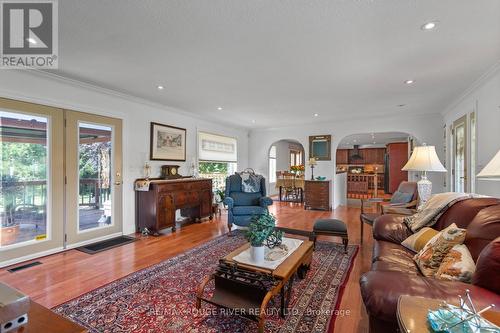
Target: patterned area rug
161,298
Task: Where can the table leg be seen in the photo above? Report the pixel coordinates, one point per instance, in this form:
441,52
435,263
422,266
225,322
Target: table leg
280,191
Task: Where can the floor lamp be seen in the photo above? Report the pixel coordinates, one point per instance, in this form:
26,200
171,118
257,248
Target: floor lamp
424,159
492,170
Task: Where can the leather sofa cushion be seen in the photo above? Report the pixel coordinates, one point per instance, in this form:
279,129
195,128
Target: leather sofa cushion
484,228
381,289
487,272
391,228
390,252
463,212
249,210
396,266
246,199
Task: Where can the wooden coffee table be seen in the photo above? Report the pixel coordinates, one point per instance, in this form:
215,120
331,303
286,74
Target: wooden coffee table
229,296
412,313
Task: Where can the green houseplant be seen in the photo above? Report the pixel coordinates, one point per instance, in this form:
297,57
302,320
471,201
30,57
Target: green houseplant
260,231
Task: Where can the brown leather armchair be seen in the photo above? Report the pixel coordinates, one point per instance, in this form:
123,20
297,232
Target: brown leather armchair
403,202
393,272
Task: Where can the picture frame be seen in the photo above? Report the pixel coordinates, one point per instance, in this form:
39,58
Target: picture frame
167,143
320,147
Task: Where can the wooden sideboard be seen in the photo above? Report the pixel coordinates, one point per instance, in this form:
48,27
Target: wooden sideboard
317,194
155,209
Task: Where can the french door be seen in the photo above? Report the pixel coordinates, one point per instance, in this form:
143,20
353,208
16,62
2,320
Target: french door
93,177
460,157
60,179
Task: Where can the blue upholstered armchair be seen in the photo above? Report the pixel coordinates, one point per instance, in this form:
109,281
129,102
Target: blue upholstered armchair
242,205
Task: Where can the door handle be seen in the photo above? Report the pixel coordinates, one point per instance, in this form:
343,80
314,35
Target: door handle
118,182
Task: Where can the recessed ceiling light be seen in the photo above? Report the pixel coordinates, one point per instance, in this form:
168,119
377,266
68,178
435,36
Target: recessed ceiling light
160,87
374,142
401,105
219,108
354,140
253,121
409,81
31,41
316,114
429,26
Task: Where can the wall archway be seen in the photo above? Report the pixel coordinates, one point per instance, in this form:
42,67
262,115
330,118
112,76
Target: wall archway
281,154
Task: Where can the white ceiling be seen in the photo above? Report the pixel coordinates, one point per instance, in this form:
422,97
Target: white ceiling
280,61
366,140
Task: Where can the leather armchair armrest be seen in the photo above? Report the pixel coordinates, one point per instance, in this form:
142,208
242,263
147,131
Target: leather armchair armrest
391,228
398,210
229,202
265,201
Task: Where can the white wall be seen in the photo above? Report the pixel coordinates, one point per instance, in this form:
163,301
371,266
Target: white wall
136,115
483,97
426,128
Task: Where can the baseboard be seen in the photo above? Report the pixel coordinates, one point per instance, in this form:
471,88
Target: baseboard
93,240
56,250
30,257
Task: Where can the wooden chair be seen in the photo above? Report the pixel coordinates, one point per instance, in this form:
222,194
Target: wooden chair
403,202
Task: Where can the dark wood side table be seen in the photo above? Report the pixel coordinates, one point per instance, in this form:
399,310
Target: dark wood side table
41,319
412,313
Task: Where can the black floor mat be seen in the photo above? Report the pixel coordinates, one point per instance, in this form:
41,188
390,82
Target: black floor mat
106,245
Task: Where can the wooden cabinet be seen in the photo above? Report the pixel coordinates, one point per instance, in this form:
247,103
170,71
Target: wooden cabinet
317,194
368,156
155,209
342,156
398,156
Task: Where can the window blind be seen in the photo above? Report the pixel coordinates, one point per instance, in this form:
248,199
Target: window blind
217,148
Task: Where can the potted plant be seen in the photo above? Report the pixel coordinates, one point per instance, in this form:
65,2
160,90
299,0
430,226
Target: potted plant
260,230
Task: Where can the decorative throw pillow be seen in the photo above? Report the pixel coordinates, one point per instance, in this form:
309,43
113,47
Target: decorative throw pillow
417,241
430,257
250,183
457,265
401,197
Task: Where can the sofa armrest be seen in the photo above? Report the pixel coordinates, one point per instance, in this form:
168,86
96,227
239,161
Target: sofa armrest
381,290
398,210
391,228
229,202
265,201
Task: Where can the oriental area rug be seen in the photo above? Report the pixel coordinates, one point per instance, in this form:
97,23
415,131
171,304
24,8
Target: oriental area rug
162,298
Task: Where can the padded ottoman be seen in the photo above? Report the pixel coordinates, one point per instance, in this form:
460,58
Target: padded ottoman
331,227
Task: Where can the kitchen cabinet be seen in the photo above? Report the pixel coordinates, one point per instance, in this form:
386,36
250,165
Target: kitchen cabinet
342,156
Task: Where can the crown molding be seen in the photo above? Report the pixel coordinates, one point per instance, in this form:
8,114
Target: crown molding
472,88
127,97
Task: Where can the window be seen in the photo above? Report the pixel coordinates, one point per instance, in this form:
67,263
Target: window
272,164
217,157
295,157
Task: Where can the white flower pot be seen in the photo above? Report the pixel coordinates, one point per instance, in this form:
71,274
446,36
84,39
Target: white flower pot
257,254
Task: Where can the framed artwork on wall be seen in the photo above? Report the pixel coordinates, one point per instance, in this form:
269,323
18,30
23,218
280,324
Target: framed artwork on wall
320,147
167,143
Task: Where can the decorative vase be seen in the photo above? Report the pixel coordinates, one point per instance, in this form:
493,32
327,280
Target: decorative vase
257,254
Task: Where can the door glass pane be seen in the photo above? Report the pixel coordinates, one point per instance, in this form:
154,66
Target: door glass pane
460,158
95,195
24,171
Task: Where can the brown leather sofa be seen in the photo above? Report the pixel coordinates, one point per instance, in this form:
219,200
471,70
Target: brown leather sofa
393,272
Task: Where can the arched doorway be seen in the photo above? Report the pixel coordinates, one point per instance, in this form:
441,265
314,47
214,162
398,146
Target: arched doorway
372,164
282,156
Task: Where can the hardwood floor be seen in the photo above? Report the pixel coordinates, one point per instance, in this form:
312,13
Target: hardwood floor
69,274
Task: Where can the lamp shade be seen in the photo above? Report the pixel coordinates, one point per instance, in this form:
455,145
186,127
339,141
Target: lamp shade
424,158
492,169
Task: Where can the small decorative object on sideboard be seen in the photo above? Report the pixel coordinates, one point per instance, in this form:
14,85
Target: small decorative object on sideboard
147,171
14,307
312,163
464,318
170,172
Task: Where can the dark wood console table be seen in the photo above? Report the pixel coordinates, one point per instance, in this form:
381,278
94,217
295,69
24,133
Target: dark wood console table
317,194
155,209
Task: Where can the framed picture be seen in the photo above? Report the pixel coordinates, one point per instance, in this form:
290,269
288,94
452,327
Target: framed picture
168,143
320,147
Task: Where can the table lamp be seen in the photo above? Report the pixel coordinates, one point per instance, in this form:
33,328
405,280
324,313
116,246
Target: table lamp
312,163
424,159
492,170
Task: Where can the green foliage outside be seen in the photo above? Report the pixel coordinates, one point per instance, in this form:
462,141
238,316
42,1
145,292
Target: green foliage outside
213,167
